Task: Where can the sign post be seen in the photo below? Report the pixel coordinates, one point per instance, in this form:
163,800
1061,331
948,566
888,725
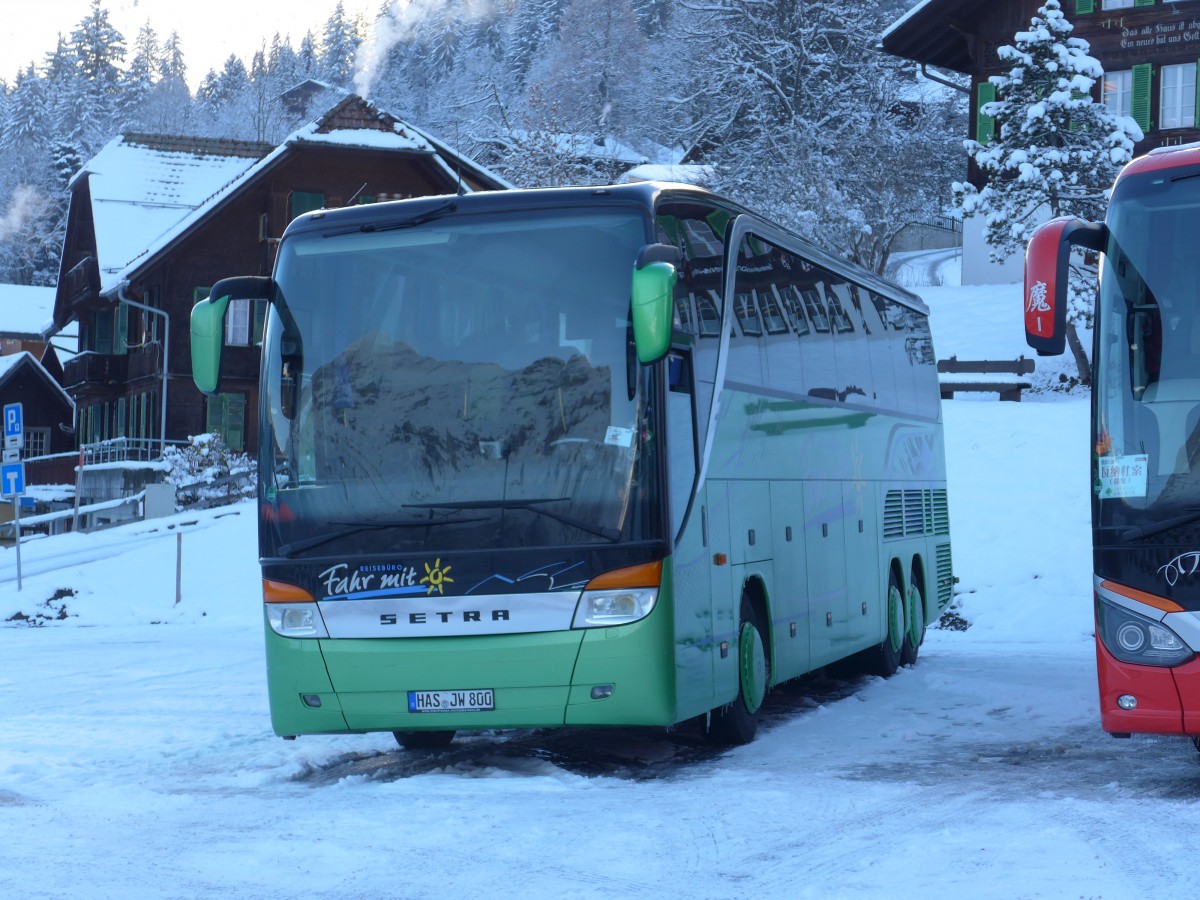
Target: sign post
12,471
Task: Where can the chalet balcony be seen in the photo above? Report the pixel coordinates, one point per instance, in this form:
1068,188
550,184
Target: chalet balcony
91,369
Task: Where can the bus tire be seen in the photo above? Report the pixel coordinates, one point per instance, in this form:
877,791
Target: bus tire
914,615
885,659
423,740
737,721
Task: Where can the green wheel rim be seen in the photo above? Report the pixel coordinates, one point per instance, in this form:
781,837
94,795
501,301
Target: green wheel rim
915,616
752,663
895,617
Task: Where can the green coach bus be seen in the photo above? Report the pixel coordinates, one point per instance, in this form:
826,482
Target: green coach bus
585,456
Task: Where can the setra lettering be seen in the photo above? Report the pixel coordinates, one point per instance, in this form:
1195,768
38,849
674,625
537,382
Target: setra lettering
423,618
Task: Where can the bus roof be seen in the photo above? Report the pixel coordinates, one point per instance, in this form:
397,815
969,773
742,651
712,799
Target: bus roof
1163,158
645,194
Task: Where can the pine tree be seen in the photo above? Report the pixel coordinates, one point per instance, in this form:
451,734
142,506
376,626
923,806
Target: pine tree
1054,151
339,47
140,78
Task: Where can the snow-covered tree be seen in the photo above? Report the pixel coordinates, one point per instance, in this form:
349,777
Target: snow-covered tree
1053,152
98,50
592,69
338,48
141,76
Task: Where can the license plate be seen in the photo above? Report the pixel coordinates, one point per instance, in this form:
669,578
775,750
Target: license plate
479,700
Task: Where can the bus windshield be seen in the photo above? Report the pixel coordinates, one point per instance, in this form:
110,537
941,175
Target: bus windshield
456,382
1147,432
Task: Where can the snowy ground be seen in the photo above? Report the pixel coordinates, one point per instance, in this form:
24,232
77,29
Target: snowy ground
136,757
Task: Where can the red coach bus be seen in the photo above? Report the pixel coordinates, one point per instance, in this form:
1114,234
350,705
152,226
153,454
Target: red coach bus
1145,444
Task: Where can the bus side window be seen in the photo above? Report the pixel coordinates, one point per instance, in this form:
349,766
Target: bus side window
771,312
793,303
747,314
816,309
838,296
708,314
685,318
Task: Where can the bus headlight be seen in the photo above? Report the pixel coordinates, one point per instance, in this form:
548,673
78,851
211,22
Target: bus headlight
598,609
1140,640
296,620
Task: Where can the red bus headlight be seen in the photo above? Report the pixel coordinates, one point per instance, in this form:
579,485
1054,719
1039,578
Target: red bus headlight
1139,640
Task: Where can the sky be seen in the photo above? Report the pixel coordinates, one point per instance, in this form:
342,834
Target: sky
209,31
137,758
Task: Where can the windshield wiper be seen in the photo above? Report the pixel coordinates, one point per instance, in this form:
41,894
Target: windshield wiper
428,216
609,534
289,549
1144,531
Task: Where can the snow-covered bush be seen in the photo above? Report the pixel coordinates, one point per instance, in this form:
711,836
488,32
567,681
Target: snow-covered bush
208,473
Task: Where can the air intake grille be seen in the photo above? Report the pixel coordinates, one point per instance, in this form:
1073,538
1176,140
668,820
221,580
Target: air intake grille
915,512
945,576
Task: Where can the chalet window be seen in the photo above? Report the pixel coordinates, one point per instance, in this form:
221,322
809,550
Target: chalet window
300,202
1117,4
227,417
1118,92
1177,96
244,322
37,442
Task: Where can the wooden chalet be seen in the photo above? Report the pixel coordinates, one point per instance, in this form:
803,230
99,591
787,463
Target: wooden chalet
1149,50
154,221
49,413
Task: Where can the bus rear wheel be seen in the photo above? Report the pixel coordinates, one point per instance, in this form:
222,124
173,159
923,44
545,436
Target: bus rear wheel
737,722
914,632
423,740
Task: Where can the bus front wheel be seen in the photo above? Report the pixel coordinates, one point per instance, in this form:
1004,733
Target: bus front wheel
737,721
423,740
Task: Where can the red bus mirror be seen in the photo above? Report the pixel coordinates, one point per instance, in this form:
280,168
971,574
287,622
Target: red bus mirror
1047,276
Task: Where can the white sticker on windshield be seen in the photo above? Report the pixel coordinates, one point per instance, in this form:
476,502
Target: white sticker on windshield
619,437
1122,476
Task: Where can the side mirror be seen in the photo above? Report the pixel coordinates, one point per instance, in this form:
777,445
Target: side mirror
208,325
654,277
1047,276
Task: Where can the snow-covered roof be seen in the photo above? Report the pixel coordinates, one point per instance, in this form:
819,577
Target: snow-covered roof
142,188
589,146
10,364
684,174
26,311
147,192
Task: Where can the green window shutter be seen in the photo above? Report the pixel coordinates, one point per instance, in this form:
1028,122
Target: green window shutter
121,331
235,422
1084,6
301,202
227,417
1139,103
101,338
1143,2
1074,125
985,126
215,420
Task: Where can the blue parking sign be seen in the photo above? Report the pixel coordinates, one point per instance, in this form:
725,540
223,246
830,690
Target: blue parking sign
14,419
12,479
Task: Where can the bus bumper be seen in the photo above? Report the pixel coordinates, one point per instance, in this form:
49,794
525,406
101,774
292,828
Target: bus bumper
1168,699
539,680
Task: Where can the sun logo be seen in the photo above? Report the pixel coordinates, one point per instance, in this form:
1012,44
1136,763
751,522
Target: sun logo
436,576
